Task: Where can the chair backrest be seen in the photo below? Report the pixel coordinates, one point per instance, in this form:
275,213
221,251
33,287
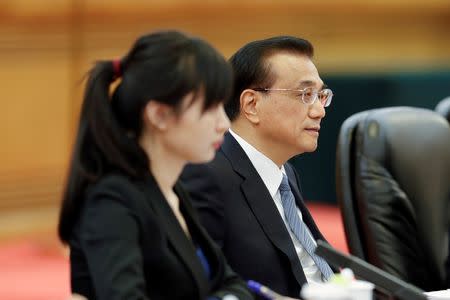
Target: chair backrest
393,187
443,108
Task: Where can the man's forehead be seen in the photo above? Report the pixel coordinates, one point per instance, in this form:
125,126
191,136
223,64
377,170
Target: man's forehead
293,67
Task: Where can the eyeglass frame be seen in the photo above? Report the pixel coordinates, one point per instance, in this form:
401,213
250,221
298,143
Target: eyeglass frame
302,91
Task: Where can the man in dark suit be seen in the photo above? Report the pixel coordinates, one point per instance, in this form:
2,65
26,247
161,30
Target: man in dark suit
249,197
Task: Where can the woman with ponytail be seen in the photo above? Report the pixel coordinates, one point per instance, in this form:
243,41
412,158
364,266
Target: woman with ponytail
131,229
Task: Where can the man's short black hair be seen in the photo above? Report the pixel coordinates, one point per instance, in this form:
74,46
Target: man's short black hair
250,67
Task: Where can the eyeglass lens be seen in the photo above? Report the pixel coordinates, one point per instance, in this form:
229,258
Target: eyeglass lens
310,94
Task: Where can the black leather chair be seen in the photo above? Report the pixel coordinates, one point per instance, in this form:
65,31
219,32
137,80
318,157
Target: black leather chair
393,188
443,108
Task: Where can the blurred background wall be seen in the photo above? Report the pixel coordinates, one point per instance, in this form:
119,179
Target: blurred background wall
371,53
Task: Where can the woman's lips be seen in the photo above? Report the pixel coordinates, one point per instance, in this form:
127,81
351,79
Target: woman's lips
217,144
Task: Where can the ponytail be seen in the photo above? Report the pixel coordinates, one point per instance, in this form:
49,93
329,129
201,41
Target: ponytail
101,145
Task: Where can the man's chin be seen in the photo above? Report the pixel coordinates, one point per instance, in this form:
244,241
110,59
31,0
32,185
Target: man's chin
310,148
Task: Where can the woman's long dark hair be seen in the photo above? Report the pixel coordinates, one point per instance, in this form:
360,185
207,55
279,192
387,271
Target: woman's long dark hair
164,66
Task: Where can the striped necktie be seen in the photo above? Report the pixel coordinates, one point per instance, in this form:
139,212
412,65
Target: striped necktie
299,228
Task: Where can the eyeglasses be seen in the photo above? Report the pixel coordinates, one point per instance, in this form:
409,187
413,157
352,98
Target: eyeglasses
307,95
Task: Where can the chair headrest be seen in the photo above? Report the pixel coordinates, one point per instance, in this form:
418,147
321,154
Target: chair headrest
413,144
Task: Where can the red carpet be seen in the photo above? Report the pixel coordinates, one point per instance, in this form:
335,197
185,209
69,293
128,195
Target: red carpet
34,270
31,271
329,221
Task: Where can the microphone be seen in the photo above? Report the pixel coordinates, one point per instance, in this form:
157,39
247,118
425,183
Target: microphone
395,286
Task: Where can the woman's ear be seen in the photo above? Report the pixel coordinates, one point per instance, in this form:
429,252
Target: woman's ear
249,104
157,114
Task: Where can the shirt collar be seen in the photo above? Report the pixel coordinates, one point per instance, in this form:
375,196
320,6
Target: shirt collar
269,172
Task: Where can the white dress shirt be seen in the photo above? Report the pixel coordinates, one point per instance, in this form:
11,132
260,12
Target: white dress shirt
272,175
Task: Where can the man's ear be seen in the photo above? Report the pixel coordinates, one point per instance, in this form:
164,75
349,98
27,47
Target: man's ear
157,114
249,105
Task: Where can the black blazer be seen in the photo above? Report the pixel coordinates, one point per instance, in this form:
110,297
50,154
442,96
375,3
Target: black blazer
240,215
128,244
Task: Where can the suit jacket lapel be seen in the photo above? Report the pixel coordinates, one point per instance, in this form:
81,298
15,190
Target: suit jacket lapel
201,235
261,203
176,236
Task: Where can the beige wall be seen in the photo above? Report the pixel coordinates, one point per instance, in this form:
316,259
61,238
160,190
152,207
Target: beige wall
47,45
